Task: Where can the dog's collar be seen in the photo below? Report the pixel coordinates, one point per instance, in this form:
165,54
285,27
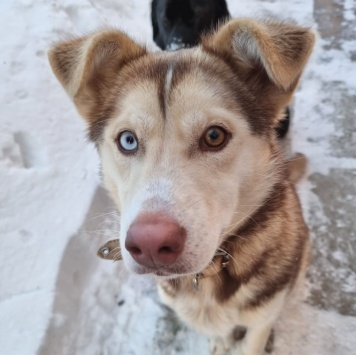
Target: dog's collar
111,251
220,261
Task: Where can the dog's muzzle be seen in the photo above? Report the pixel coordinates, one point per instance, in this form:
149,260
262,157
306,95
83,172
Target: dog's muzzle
111,251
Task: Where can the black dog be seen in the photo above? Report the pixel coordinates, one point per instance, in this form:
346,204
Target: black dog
180,23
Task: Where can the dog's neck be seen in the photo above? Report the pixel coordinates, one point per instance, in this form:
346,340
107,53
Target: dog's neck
254,215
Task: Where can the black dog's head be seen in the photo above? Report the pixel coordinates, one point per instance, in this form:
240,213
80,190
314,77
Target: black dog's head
180,23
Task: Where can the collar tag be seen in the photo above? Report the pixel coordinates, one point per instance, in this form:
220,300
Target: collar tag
196,282
225,260
110,250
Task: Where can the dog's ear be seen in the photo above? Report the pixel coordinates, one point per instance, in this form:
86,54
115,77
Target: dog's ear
280,49
222,11
155,27
88,66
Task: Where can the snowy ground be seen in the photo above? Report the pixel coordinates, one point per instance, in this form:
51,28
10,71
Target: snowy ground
56,297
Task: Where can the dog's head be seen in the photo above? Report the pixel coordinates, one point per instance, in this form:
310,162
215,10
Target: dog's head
180,23
186,138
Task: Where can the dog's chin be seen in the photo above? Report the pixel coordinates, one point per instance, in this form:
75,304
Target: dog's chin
168,272
164,272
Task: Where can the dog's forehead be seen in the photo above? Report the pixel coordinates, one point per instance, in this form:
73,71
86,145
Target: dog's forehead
188,80
189,87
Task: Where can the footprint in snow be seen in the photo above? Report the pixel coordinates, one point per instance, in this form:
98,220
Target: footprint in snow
23,150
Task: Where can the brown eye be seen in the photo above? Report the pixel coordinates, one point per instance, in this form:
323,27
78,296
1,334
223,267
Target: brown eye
214,138
127,142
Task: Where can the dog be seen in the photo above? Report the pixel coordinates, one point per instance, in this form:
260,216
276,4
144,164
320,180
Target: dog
190,157
180,24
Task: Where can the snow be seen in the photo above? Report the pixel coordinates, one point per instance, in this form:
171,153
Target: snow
55,296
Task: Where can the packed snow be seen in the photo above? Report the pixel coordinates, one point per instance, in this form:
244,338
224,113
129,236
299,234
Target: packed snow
56,296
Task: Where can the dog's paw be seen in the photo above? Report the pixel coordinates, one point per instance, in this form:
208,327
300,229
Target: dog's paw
218,347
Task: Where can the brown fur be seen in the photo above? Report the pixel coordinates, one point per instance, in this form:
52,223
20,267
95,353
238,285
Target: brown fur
281,232
248,70
87,68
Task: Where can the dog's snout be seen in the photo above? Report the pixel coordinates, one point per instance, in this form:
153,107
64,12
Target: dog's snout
155,240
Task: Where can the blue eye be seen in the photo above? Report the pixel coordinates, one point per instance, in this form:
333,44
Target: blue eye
127,142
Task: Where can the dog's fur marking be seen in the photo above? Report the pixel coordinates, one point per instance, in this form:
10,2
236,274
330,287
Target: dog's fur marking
168,85
240,198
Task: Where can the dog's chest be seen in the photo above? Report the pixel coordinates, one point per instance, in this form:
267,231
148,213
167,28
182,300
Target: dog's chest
200,309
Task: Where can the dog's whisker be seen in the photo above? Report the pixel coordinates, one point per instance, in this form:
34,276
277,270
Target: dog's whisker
117,256
216,271
229,254
234,225
104,230
109,222
117,248
192,204
108,234
100,215
237,223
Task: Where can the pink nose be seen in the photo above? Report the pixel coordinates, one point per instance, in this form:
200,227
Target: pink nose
155,240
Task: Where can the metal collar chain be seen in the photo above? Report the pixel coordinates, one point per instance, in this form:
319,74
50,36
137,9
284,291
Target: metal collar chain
210,271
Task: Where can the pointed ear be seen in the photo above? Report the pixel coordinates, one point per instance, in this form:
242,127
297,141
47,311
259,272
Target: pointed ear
88,66
281,49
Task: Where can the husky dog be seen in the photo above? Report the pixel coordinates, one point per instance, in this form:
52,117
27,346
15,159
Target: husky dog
190,156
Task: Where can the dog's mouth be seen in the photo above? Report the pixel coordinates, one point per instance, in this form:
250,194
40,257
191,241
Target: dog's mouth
219,261
111,251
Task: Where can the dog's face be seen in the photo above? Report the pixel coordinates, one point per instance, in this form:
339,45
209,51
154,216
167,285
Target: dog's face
192,151
179,23
186,139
